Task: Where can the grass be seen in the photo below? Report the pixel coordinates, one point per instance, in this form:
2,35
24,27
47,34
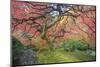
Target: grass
60,56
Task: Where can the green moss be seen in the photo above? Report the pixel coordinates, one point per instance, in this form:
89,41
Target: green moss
55,57
59,56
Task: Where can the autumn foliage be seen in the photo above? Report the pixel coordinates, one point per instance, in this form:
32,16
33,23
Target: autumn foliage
47,25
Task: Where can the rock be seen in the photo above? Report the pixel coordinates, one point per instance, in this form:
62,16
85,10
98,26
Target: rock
28,57
90,52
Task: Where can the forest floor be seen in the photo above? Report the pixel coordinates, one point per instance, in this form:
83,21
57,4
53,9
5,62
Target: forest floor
61,56
58,55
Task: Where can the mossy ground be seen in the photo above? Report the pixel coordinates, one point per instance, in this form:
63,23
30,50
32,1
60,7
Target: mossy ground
60,56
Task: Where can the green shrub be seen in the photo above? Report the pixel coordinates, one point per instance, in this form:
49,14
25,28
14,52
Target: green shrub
73,44
19,50
32,47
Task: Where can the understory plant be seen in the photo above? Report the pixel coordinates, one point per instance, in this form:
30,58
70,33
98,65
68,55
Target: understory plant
74,44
